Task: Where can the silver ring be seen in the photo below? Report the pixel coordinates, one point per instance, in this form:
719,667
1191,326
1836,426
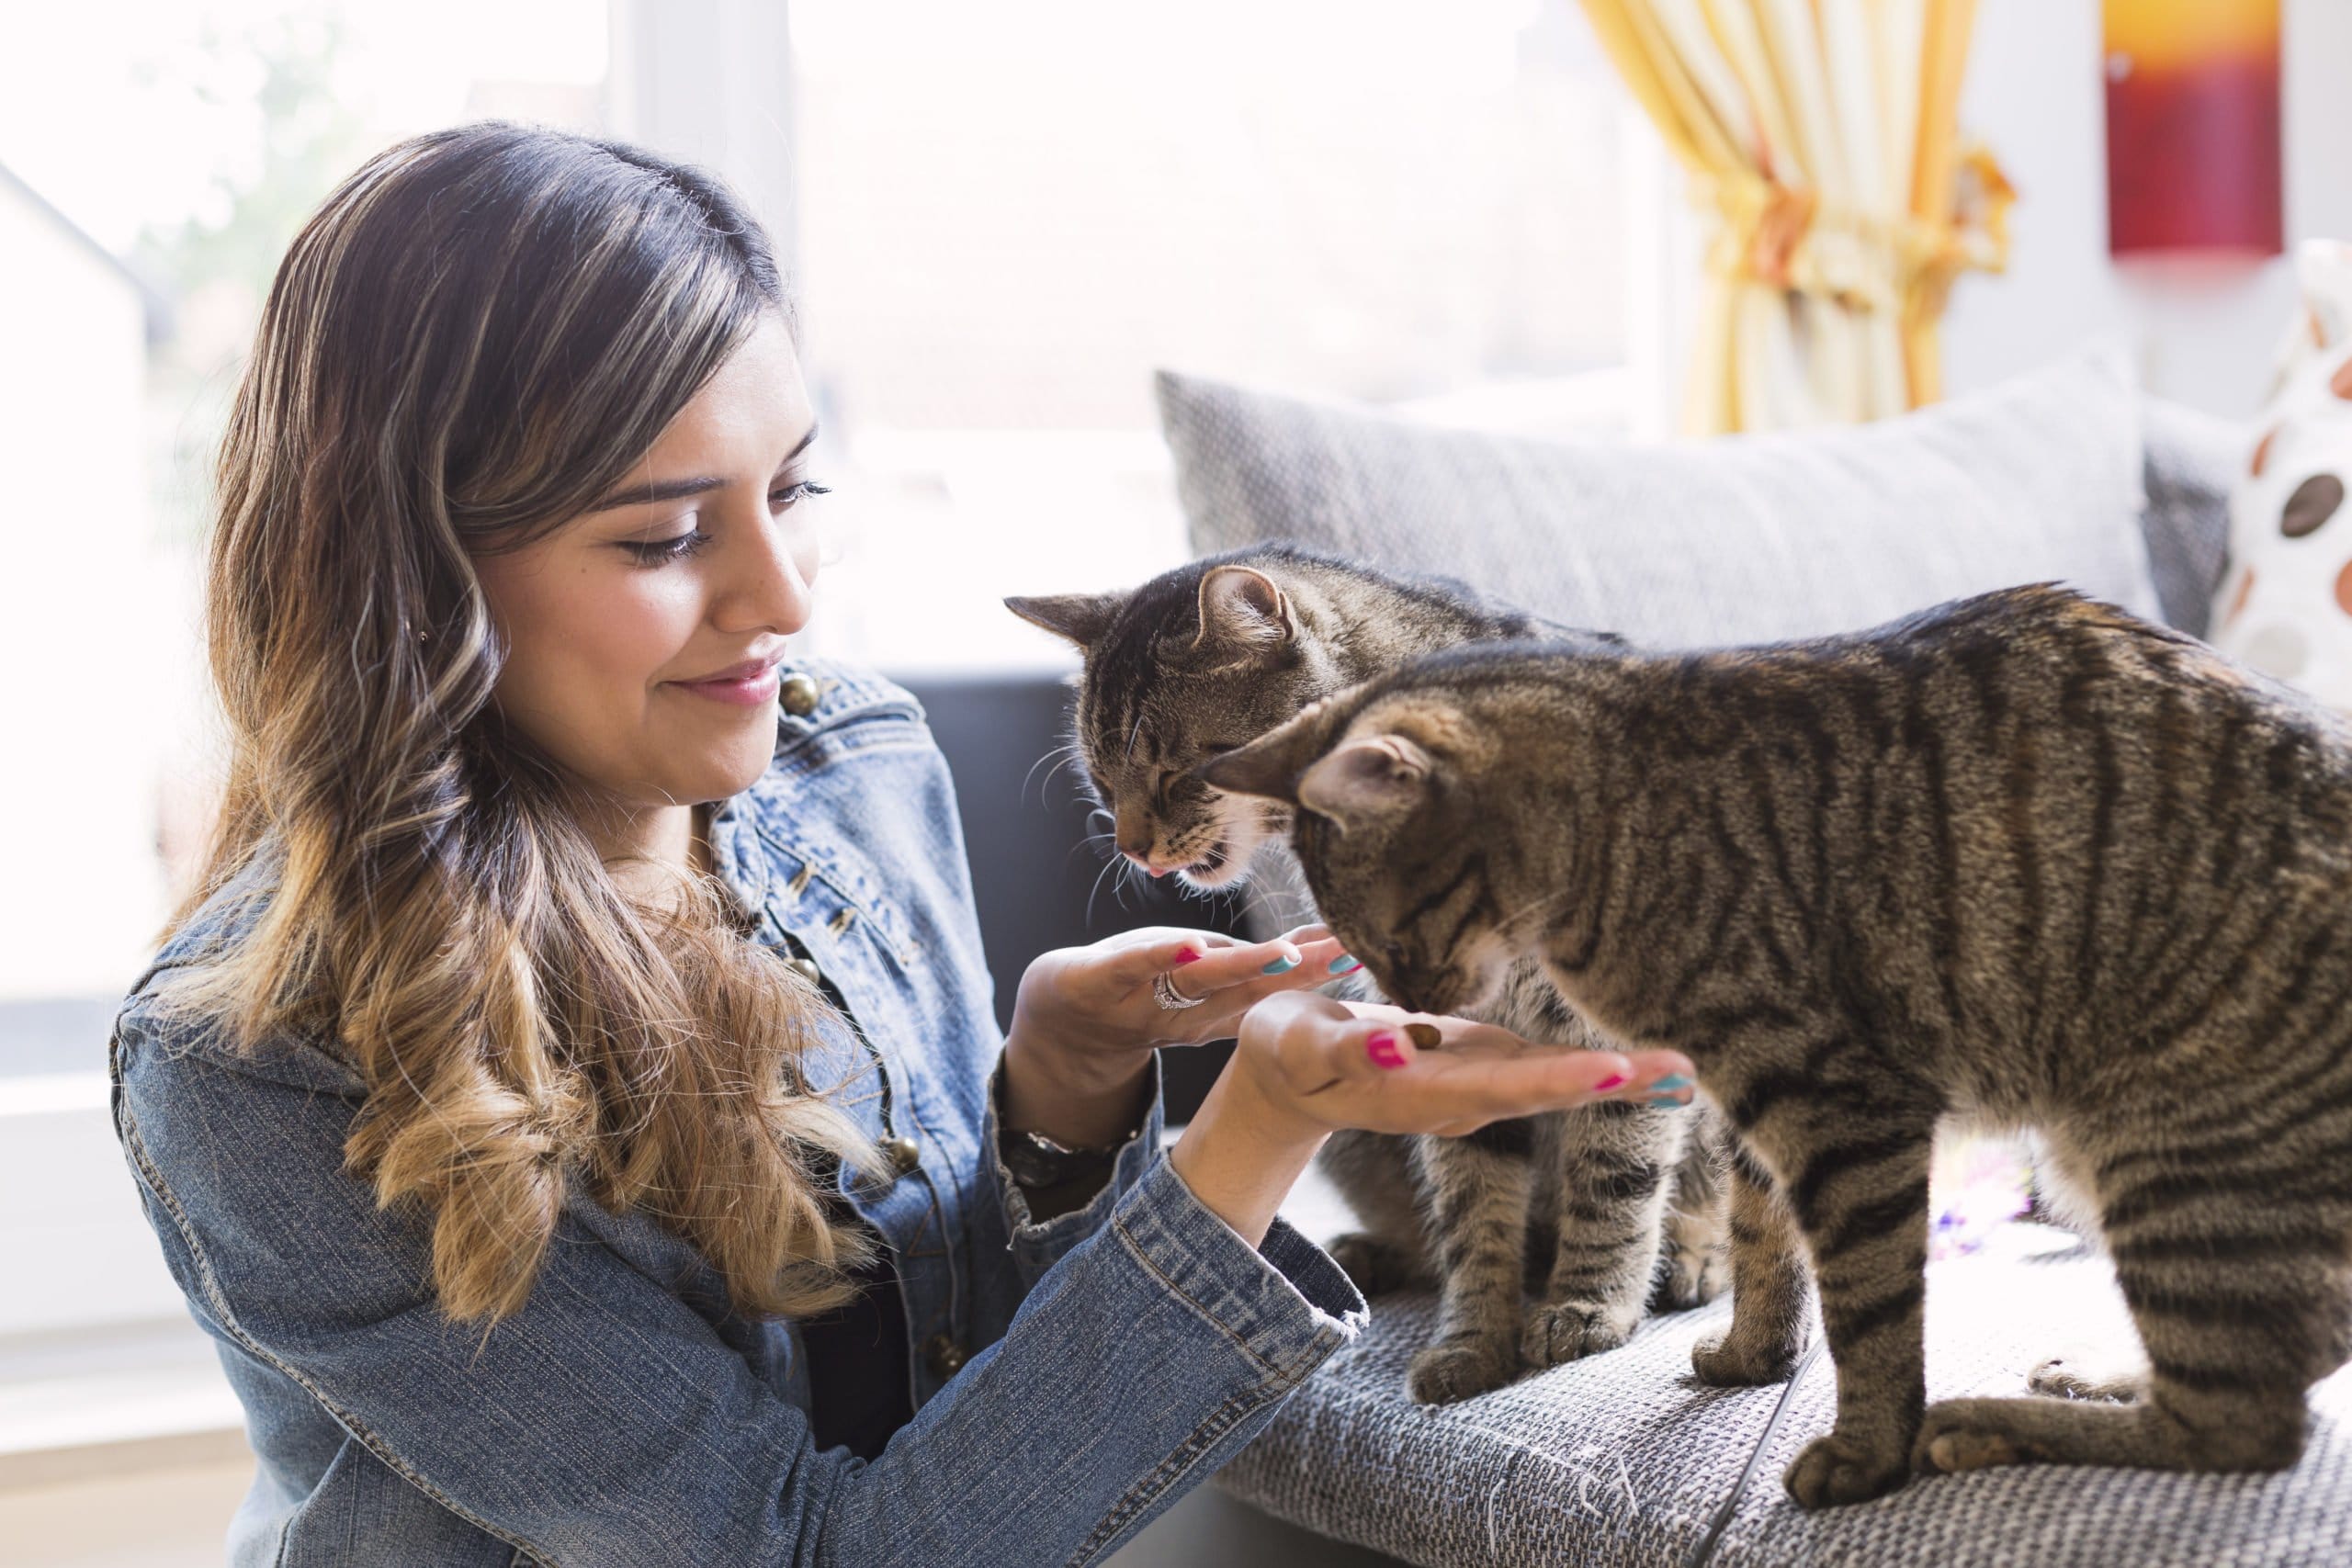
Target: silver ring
1164,992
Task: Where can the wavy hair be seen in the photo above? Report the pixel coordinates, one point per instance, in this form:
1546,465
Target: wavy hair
477,333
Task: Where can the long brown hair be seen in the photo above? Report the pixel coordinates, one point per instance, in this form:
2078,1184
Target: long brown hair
477,334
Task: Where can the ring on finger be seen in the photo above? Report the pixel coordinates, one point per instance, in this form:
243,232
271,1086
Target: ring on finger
1164,992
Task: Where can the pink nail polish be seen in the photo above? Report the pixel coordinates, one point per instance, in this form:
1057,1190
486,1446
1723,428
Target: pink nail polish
1614,1080
1186,955
1384,1051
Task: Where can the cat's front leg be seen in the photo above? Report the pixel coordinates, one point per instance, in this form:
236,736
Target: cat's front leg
1860,1196
1475,1192
1770,1287
1694,1245
1615,1163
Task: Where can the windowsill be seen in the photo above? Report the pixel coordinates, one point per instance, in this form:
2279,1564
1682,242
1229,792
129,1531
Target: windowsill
136,1396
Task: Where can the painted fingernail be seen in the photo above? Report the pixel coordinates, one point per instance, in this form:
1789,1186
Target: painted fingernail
1280,966
1665,1100
1614,1080
1671,1081
1345,962
1186,955
1384,1051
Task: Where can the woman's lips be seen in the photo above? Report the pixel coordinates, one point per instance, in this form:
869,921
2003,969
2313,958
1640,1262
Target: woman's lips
748,691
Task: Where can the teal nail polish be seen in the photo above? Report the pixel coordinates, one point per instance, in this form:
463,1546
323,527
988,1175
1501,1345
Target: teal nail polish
1344,962
1671,1081
1280,966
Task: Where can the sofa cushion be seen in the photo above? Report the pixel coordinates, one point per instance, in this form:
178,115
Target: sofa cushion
1623,1459
2193,459
1737,539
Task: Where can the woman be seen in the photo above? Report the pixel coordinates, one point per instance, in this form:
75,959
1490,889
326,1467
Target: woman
571,1096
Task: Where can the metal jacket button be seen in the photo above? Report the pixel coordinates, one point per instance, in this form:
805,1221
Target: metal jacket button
799,693
904,1154
807,970
944,1355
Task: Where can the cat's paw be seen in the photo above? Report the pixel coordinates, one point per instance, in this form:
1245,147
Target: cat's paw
1570,1331
1724,1360
1840,1469
1964,1434
2083,1373
1456,1370
1690,1276
1374,1266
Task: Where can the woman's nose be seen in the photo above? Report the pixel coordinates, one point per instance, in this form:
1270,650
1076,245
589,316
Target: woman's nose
767,582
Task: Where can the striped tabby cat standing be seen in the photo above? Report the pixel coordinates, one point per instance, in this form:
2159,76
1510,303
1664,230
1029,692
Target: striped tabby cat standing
1212,655
2023,859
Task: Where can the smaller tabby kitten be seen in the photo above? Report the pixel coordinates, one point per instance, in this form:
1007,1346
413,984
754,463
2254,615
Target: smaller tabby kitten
2023,859
1211,656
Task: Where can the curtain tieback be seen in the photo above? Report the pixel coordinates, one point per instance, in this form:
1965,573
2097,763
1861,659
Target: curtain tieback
1788,238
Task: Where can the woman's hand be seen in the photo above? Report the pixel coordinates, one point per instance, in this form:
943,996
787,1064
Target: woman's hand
1308,1065
1085,1021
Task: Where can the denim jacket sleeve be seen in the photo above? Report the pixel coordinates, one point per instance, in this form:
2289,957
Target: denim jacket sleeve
609,1422
1038,1246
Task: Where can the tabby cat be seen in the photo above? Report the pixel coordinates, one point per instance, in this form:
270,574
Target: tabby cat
2022,859
1213,654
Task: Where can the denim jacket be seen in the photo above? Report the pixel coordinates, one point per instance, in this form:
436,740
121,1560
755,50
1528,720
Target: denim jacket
1072,1378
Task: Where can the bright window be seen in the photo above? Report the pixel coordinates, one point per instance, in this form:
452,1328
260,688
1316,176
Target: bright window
156,157
1007,216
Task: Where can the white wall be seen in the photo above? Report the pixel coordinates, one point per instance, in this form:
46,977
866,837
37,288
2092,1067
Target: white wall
2035,92
83,646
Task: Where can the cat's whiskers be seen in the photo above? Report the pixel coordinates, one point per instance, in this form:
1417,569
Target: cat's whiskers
1068,753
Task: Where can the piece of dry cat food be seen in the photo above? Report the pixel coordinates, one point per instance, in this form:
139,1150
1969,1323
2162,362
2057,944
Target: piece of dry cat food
1425,1035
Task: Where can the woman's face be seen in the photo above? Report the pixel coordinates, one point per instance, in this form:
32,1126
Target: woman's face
643,635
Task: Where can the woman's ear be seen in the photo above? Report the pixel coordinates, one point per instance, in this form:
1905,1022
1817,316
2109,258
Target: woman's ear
1243,611
1081,618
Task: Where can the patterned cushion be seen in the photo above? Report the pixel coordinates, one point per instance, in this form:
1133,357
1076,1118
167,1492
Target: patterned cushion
2286,609
1623,1459
1744,538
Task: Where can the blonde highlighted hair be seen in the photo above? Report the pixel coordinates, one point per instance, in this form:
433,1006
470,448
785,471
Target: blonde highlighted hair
479,332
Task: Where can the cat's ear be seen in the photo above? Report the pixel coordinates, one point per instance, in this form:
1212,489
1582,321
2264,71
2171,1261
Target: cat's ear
1243,611
1081,618
1270,765
1369,779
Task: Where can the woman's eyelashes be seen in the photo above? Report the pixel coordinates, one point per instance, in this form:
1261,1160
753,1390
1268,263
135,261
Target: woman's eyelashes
678,547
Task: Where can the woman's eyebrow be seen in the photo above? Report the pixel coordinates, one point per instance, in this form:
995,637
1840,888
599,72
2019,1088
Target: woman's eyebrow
672,490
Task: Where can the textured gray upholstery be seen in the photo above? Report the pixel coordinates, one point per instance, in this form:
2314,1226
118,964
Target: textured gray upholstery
1621,1459
2193,459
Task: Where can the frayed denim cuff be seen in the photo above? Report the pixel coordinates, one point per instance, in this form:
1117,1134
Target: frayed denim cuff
1286,1303
1038,1244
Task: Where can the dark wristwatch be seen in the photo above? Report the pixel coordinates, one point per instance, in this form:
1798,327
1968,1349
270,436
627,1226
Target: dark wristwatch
1036,1160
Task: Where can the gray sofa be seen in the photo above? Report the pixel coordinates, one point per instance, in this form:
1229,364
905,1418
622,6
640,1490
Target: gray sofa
1622,1459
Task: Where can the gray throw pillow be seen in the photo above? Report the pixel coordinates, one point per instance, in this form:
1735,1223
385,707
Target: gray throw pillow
2193,460
1739,540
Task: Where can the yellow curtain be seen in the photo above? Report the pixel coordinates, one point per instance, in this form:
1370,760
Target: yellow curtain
1823,136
